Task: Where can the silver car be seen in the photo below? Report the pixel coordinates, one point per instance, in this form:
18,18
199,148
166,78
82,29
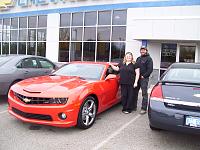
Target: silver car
14,68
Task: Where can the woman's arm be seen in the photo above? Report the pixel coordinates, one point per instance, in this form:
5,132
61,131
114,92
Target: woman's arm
137,75
116,68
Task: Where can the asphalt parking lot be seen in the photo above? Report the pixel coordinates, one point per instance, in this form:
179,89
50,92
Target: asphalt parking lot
112,130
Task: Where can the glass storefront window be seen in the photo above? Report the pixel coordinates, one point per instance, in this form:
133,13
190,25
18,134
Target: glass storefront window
14,35
6,35
104,18
117,51
89,51
119,34
23,35
119,17
64,34
14,23
13,48
75,51
32,21
22,48
41,49
5,48
187,53
6,23
63,52
23,22
41,34
32,35
31,48
42,21
90,34
103,51
90,18
1,24
77,19
103,33
65,20
76,34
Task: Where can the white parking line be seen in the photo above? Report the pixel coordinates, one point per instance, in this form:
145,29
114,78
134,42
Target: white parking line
100,145
2,112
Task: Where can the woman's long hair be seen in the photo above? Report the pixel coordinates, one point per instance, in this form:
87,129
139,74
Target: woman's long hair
128,53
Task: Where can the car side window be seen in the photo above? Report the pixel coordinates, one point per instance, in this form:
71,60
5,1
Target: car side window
29,63
45,64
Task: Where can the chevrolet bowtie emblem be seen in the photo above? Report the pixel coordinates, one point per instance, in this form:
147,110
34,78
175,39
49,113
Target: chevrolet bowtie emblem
26,100
6,3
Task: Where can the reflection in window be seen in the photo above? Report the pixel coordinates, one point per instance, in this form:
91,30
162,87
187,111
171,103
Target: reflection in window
90,34
187,54
63,52
22,48
90,18
119,34
103,50
76,34
65,19
14,35
75,51
32,21
89,51
119,17
104,18
32,35
77,19
41,35
23,22
6,35
41,49
1,24
14,23
64,34
103,33
5,48
13,48
6,23
42,21
31,48
0,35
22,34
117,51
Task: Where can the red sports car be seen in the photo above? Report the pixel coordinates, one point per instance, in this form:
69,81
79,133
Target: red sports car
72,95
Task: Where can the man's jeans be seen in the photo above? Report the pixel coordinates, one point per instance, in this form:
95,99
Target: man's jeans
143,84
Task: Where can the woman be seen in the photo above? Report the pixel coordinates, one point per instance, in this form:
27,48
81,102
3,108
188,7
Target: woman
129,75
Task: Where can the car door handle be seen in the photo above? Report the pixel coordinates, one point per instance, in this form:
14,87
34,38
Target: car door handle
26,72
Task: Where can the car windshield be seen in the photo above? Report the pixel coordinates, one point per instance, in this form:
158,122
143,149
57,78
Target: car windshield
183,75
85,71
4,59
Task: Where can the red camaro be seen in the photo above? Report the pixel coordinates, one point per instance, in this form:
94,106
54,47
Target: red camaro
70,96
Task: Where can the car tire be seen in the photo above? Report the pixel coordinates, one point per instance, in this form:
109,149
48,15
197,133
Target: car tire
87,113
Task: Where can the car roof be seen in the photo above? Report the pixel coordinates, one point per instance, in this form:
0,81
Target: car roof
186,65
20,56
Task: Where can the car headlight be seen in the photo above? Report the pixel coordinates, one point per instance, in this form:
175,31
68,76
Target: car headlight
58,100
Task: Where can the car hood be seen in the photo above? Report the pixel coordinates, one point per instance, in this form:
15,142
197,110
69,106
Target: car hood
50,85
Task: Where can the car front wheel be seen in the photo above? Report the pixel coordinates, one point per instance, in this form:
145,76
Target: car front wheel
87,113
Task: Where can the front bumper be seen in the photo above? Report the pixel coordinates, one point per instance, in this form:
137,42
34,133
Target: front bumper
33,111
167,118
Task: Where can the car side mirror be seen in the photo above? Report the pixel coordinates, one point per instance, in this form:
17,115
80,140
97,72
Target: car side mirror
111,76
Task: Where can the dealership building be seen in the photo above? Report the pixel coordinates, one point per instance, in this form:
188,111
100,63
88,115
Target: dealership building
102,30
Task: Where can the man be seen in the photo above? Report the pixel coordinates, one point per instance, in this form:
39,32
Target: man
145,64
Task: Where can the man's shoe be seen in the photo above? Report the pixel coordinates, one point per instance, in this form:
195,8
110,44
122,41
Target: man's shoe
143,111
126,112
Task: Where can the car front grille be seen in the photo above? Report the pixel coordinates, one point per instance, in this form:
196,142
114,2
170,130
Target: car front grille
32,116
32,100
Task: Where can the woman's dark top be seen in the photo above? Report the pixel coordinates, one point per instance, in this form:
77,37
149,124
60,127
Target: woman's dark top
127,73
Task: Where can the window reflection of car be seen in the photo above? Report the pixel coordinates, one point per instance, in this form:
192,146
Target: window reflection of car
174,102
15,68
72,95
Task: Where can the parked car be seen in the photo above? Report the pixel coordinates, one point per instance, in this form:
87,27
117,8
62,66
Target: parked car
72,95
15,68
175,100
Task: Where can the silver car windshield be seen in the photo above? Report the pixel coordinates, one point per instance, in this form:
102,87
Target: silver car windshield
4,59
85,71
183,75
